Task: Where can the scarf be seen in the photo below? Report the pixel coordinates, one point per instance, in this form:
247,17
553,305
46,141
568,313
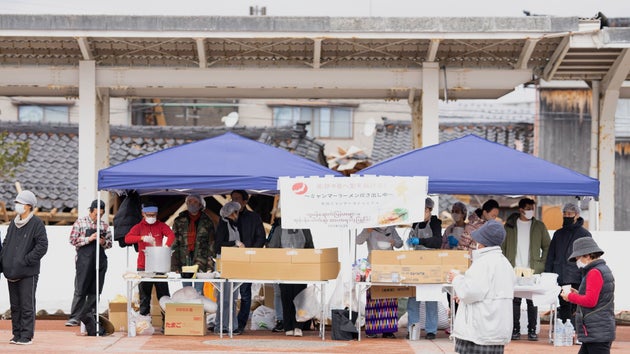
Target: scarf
19,222
192,230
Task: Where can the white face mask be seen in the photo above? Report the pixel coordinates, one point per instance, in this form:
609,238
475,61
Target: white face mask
151,220
529,214
20,208
457,217
580,264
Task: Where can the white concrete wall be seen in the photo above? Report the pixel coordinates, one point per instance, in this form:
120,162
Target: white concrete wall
258,113
56,282
119,109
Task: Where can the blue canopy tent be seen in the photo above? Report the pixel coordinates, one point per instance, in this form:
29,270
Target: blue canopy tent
211,166
496,169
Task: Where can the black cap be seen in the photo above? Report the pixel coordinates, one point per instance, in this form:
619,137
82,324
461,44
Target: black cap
94,204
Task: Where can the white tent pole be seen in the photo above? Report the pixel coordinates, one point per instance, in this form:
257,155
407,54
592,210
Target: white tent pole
98,260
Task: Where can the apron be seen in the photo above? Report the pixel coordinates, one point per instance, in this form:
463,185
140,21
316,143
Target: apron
85,267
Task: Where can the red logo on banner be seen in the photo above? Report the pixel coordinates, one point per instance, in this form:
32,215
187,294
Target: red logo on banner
299,188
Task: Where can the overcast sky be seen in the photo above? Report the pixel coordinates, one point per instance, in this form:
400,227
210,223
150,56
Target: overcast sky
384,8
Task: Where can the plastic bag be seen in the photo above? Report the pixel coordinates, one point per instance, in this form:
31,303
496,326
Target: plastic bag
263,318
307,304
143,324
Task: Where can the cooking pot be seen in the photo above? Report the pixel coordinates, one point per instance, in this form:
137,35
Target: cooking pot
157,259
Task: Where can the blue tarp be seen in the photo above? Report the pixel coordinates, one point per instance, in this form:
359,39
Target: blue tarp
472,165
210,166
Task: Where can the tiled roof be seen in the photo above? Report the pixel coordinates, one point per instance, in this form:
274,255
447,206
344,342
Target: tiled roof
393,137
51,170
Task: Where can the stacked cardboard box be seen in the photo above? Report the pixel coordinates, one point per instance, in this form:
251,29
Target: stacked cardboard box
118,315
279,263
416,267
184,320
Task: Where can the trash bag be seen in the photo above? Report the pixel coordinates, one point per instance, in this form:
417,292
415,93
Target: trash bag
263,318
307,304
342,327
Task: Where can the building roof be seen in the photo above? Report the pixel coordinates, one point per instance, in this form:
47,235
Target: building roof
51,170
299,57
393,137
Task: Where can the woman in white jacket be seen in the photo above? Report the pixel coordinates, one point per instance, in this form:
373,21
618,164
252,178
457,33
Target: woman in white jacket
483,323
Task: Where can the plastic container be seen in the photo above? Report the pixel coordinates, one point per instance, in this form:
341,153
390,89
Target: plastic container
558,334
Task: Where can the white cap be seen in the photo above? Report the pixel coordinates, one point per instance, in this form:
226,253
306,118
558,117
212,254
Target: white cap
26,197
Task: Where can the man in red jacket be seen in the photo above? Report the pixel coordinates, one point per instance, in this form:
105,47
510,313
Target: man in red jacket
149,232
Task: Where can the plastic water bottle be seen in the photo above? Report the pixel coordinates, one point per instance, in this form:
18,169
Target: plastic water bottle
558,334
569,331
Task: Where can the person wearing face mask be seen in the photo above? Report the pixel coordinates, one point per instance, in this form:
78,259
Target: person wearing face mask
425,235
147,233
454,232
559,251
23,247
227,235
488,211
83,237
484,292
595,298
194,238
526,246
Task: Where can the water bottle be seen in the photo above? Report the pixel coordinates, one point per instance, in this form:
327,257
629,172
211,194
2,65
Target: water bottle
132,329
558,334
569,331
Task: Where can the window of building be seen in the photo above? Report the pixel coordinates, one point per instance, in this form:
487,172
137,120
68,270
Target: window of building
326,122
43,114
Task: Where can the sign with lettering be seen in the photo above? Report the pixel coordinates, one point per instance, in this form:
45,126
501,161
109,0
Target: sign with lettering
351,203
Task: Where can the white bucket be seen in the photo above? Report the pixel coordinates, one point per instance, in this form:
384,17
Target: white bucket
157,259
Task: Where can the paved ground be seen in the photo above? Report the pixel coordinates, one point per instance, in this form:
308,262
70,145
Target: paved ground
52,337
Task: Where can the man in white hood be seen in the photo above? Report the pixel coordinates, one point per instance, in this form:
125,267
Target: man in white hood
483,323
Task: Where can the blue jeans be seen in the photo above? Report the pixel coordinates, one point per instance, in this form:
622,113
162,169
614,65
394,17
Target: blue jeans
223,308
277,302
431,314
198,286
246,304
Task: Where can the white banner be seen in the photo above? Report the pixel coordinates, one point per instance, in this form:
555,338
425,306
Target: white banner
351,203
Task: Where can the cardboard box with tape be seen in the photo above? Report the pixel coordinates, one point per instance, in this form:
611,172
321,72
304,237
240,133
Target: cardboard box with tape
416,267
184,320
279,263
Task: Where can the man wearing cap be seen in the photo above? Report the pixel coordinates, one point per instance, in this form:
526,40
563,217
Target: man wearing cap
252,234
148,233
595,299
485,293
559,250
83,237
194,237
526,246
22,250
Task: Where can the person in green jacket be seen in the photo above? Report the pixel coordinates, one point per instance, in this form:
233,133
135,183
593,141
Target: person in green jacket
194,239
526,245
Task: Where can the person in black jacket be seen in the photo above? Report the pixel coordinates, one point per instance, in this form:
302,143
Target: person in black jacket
22,250
252,233
425,235
559,251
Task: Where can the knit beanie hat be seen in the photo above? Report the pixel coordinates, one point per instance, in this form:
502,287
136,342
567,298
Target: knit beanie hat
490,234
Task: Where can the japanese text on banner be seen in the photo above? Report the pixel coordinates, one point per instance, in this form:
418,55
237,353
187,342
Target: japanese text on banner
351,203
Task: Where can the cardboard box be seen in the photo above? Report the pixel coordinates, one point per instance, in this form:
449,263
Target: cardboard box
280,271
416,267
309,255
118,316
268,292
392,292
279,263
185,320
